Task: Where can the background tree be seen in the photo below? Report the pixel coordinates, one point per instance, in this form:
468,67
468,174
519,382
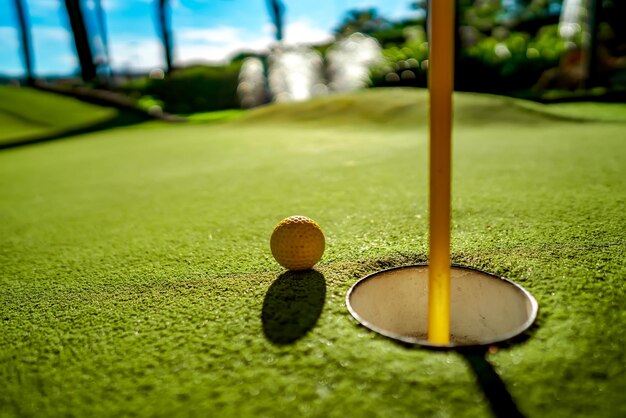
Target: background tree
520,15
607,43
421,6
365,21
27,56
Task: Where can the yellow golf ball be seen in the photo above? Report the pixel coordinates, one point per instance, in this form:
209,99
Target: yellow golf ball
297,243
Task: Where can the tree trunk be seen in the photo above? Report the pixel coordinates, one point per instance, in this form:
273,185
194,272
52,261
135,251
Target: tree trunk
26,44
103,35
276,12
81,40
166,36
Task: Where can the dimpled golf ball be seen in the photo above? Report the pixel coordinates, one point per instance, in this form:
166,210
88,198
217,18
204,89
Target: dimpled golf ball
297,243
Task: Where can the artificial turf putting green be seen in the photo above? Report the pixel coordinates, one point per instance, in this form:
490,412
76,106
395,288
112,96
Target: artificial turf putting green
136,278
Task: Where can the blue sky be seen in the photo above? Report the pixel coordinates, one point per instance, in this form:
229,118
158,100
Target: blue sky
204,30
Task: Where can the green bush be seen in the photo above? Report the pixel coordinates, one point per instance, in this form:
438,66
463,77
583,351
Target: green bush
187,90
513,62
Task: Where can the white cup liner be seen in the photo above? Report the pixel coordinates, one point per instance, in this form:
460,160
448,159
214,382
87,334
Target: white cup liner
485,309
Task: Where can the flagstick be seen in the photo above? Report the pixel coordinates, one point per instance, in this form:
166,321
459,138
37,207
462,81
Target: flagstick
440,84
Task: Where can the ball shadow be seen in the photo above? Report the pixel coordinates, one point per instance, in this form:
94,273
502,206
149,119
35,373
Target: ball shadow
292,306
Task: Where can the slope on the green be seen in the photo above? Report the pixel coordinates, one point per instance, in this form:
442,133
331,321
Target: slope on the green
583,111
404,107
27,113
136,278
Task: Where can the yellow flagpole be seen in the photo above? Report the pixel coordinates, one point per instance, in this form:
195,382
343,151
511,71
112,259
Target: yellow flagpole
440,85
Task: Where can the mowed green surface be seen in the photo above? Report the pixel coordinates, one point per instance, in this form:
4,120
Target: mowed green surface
27,113
136,278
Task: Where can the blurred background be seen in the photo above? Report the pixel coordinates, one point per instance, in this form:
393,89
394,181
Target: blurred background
192,56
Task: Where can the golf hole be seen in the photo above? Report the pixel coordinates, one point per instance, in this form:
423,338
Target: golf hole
485,309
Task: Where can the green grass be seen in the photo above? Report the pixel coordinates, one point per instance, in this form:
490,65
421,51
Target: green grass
215,116
27,112
28,115
136,278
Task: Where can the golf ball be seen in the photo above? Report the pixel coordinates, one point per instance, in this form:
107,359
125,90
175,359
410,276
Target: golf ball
297,243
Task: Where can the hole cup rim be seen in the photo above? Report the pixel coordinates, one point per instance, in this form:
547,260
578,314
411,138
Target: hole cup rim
505,337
